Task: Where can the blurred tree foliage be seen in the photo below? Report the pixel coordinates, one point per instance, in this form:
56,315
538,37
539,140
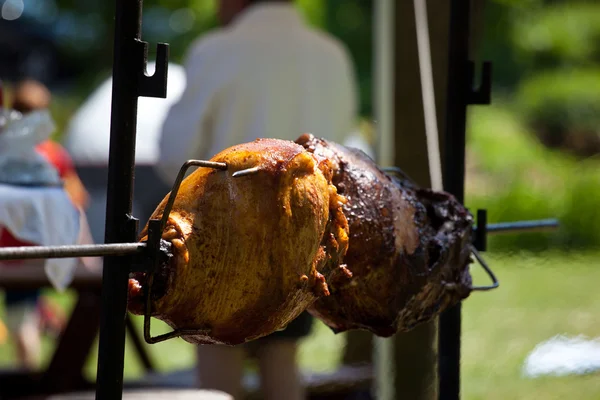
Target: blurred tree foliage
547,53
563,34
352,22
563,107
546,56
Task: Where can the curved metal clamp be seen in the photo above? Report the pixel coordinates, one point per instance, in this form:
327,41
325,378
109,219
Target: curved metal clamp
487,269
155,229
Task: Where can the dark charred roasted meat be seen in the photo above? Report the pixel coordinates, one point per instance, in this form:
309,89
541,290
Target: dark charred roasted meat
408,254
248,253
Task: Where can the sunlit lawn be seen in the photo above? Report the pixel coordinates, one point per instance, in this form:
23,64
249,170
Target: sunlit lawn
539,298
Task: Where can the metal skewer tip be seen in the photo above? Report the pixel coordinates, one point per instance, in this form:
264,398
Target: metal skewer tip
246,172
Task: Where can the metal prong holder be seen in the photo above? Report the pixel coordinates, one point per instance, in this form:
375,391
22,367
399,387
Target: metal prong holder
154,250
155,229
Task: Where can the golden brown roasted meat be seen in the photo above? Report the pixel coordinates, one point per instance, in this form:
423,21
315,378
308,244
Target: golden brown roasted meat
408,253
248,252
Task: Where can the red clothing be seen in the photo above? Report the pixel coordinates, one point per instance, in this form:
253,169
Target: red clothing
57,156
8,240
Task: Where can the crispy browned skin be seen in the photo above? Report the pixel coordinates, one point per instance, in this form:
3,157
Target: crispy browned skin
408,252
248,252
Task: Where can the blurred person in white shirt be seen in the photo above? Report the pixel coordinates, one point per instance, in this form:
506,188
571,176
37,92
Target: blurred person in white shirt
264,74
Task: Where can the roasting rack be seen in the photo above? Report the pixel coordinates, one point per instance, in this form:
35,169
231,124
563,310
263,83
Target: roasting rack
122,252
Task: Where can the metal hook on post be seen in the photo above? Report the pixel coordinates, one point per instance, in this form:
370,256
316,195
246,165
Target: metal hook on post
154,85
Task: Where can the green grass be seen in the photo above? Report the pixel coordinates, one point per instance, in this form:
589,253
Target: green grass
540,296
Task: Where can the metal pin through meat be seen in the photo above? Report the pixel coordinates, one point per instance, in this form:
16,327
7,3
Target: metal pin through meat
245,172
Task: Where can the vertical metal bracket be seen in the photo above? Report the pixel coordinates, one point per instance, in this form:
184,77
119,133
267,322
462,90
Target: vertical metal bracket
132,225
154,85
482,94
480,241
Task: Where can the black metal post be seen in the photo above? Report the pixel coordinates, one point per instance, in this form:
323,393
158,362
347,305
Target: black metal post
457,99
119,227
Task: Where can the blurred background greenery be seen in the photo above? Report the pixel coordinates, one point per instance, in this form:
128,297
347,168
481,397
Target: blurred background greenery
532,154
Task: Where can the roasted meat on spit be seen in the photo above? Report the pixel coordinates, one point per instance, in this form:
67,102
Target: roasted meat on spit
248,253
318,226
409,249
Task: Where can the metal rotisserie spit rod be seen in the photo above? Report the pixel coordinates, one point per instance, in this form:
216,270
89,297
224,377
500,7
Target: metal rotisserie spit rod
138,249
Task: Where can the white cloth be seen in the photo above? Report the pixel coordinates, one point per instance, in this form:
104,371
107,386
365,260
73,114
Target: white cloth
87,137
268,75
562,355
46,217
